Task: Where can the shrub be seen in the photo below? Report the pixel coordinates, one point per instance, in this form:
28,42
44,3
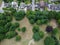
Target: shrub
2,37
49,28
18,38
2,17
35,29
23,29
49,41
41,34
31,21
3,22
6,1
38,22
51,15
58,21
44,21
57,16
9,18
19,15
19,29
55,31
2,30
11,34
8,25
14,26
56,40
36,36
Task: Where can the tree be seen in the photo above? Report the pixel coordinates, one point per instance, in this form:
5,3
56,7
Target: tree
3,22
2,17
10,34
51,15
31,21
23,29
18,38
49,28
7,26
19,29
7,1
55,31
9,18
49,41
57,17
58,21
2,36
38,22
35,28
2,30
14,26
36,36
19,15
41,34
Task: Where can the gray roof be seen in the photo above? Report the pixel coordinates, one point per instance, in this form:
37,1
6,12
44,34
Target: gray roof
1,11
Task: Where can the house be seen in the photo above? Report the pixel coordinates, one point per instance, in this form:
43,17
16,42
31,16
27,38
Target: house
14,4
53,0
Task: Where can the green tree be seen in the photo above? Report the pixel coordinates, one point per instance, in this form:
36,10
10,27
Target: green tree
2,36
10,34
18,38
49,41
38,22
41,34
31,21
19,15
14,26
7,1
23,29
35,28
19,29
36,36
58,21
55,31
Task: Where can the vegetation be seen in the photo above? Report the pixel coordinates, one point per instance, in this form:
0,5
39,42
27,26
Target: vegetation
49,40
58,21
19,29
38,35
14,26
41,34
2,36
35,28
18,38
6,1
38,22
7,28
19,15
11,34
55,31
23,29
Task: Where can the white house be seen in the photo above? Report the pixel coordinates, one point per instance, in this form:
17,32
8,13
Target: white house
14,5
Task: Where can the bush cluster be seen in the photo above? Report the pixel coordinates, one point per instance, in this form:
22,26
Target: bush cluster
37,34
18,38
19,15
